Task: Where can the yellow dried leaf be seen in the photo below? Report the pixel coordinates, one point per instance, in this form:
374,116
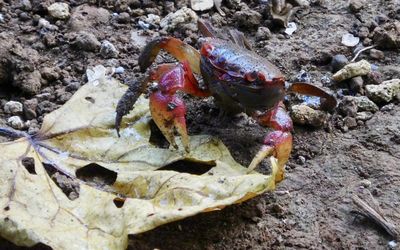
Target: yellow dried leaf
141,196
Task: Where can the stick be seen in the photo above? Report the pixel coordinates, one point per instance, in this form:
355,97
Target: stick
375,216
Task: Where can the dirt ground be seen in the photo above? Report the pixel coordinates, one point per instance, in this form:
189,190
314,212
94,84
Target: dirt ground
43,63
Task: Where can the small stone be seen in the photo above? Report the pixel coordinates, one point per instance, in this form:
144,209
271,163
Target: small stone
30,108
385,92
373,77
86,41
119,70
349,40
73,86
49,74
16,122
108,50
263,33
201,5
364,116
31,83
44,24
59,10
304,115
302,160
291,28
387,108
13,107
352,70
247,18
338,62
392,244
376,54
365,183
356,5
24,16
365,104
182,16
348,106
387,36
350,122
26,5
356,84
153,19
124,17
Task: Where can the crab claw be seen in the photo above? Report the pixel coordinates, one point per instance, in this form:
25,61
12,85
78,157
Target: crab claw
277,144
168,113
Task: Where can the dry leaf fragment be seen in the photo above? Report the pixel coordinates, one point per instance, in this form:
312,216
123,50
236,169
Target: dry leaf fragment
141,191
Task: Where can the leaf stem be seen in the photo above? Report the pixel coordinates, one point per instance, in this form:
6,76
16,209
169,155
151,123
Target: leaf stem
12,133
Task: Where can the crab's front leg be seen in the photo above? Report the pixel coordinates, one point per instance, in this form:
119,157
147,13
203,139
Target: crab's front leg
277,143
167,109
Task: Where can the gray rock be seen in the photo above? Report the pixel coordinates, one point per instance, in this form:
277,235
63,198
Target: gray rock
247,18
49,74
376,54
182,16
16,122
30,108
13,107
108,50
59,10
263,33
384,92
338,62
356,5
44,24
124,17
26,5
365,104
364,116
387,36
86,41
304,115
348,106
350,122
356,84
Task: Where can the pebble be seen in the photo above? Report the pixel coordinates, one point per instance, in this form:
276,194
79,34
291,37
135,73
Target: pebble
26,5
365,104
173,20
13,107
153,19
123,17
364,116
304,115
348,106
376,54
108,50
365,183
387,36
119,70
86,41
374,77
385,92
201,5
392,244
351,70
15,122
349,40
356,5
59,10
356,84
338,62
44,24
247,18
350,122
30,108
263,33
49,74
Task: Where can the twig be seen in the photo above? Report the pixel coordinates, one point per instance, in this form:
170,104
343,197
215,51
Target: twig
375,216
362,50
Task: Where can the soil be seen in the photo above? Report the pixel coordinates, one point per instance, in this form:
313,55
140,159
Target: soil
43,63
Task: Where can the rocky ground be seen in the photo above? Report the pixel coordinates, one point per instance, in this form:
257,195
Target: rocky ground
46,47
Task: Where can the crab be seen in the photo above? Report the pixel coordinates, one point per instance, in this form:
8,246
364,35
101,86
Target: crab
237,78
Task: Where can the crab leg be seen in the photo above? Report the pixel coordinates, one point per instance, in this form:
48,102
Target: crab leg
167,109
178,49
277,143
328,102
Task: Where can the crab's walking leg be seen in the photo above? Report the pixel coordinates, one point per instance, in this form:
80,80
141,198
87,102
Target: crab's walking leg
178,49
167,109
328,102
277,143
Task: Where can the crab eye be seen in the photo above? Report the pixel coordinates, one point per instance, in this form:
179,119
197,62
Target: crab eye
251,76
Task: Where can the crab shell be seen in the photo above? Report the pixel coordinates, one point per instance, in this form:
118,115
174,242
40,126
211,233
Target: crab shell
239,79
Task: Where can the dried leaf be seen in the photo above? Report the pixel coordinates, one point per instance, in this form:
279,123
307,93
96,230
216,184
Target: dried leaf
142,193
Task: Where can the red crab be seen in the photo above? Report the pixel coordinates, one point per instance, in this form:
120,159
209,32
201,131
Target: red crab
238,79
